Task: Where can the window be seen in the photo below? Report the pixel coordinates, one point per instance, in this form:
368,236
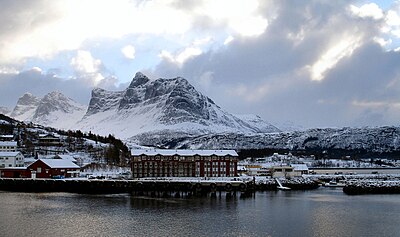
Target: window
39,170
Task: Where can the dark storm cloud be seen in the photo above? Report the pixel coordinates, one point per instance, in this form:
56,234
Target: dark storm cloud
12,86
279,61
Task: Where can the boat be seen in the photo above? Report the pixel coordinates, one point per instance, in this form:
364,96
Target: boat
334,184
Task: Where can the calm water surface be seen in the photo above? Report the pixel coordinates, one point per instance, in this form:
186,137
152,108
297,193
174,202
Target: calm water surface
322,212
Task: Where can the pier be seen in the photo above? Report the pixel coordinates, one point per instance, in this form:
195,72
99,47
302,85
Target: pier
160,188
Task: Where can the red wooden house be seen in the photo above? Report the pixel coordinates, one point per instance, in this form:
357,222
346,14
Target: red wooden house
52,168
43,168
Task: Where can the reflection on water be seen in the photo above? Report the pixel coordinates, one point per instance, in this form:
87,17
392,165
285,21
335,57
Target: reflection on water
322,212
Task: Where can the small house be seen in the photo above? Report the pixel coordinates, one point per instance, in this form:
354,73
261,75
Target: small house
53,168
49,140
8,146
11,159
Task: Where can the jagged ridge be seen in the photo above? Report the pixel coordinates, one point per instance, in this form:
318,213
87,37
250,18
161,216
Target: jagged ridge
147,106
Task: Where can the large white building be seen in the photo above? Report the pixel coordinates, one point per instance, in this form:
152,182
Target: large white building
11,159
8,146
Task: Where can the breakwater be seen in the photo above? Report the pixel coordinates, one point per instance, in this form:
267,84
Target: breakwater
163,188
372,187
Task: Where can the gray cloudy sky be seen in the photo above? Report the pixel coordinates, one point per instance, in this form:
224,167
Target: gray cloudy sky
316,63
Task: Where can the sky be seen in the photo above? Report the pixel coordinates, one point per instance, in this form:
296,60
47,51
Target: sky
313,63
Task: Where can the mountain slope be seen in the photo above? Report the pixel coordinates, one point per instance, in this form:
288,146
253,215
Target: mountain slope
25,108
377,140
57,110
4,110
160,106
54,110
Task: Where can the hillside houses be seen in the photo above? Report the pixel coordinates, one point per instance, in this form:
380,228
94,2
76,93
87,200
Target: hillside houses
11,159
8,146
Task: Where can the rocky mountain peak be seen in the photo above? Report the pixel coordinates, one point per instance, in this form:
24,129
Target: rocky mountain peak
4,110
138,80
158,105
28,99
55,101
25,107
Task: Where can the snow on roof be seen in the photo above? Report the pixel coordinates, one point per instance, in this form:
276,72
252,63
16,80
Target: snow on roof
299,167
7,136
9,153
165,152
14,168
59,163
66,157
8,143
49,135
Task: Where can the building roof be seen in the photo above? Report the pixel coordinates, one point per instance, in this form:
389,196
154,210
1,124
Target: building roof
14,168
58,163
48,135
8,143
9,153
165,152
7,136
66,157
299,167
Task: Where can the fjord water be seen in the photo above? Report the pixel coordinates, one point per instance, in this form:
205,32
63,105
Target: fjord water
322,212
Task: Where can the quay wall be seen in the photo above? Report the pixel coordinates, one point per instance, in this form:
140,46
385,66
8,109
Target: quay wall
372,187
96,186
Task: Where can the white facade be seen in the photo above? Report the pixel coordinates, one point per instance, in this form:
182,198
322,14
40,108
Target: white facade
11,159
8,146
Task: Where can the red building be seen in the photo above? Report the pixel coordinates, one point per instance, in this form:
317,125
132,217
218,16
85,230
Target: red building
43,168
184,163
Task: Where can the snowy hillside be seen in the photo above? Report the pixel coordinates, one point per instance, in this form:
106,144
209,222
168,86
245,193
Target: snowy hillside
4,110
25,108
158,107
57,110
53,110
377,140
256,121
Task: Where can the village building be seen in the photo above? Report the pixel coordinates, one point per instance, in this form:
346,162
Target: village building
184,163
53,168
43,168
49,140
66,157
11,159
283,171
300,169
8,146
6,138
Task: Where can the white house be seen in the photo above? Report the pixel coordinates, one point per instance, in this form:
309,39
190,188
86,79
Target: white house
11,159
8,146
7,137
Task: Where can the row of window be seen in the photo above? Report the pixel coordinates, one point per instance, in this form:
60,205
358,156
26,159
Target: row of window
183,158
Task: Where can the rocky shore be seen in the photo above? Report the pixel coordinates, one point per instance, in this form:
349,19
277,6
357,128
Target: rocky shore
372,187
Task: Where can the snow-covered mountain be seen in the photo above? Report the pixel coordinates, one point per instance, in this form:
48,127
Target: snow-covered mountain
54,110
289,126
367,139
159,107
4,110
256,121
26,107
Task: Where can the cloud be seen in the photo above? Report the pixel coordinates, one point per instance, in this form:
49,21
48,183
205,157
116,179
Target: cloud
368,10
88,67
310,65
36,81
128,51
318,63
